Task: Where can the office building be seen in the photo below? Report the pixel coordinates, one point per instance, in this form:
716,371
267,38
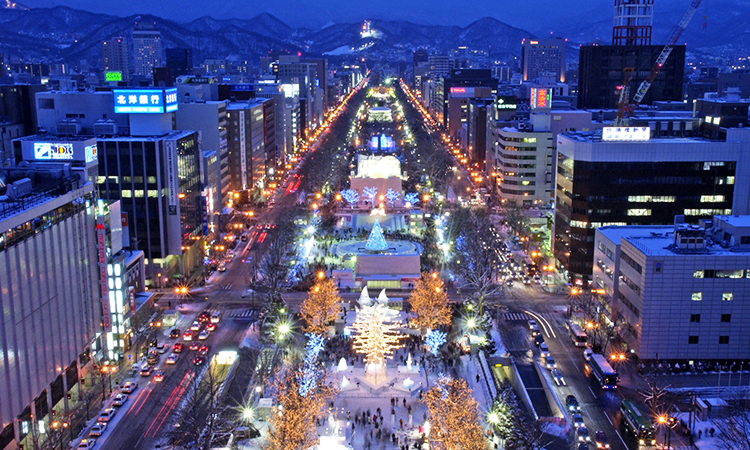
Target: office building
680,288
247,146
633,21
440,65
625,177
147,50
17,116
283,146
420,66
49,276
451,94
719,114
543,56
601,70
180,60
116,57
210,119
474,131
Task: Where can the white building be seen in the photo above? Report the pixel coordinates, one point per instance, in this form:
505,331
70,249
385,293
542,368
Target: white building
147,50
681,288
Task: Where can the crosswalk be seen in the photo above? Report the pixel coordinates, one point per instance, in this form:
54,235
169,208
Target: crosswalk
224,287
514,317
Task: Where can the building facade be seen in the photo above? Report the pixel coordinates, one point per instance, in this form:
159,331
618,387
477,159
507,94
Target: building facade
603,183
681,287
116,57
543,56
147,50
246,140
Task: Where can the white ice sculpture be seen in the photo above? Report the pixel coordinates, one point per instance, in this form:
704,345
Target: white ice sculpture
364,298
409,362
342,365
408,383
382,298
344,382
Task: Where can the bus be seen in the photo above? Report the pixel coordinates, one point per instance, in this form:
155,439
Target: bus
577,335
637,422
603,372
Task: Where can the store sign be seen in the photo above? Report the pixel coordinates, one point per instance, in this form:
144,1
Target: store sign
243,154
541,98
48,151
102,248
145,101
243,87
506,103
172,181
626,133
462,92
131,300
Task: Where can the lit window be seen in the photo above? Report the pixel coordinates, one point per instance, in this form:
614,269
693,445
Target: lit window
698,274
639,212
712,198
697,296
727,296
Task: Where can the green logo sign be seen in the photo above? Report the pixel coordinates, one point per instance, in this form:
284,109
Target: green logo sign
112,76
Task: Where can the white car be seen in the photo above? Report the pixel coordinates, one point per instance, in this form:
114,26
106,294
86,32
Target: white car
172,359
98,429
557,376
577,420
550,362
106,415
87,444
544,349
129,387
120,399
587,354
203,335
161,348
215,317
195,326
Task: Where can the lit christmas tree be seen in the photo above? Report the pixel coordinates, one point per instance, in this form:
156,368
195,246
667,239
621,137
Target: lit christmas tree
376,241
377,339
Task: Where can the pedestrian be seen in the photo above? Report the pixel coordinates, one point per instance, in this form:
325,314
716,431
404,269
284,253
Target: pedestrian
401,423
409,409
404,402
712,431
477,378
700,433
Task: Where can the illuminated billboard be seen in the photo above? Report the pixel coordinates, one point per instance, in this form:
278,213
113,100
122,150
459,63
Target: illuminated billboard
145,101
506,102
112,76
626,133
462,92
91,154
50,151
541,98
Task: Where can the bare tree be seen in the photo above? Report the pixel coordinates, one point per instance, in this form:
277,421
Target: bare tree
734,431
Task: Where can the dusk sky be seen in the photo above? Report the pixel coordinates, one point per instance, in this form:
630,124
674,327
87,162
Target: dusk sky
529,14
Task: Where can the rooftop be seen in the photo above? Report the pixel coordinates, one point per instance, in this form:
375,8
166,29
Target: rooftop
245,104
735,221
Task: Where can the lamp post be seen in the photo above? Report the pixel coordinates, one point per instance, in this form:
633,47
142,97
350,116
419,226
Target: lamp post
667,422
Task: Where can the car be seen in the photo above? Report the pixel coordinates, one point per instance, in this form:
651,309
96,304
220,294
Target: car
509,282
557,376
204,317
577,420
172,358
583,446
244,238
87,444
153,358
203,335
158,376
129,387
195,326
187,335
550,362
537,279
177,347
106,415
587,354
222,267
199,360
152,342
98,429
195,345
210,327
582,434
526,280
146,371
601,440
203,350
174,333
161,348
538,339
544,350
535,330
571,402
120,399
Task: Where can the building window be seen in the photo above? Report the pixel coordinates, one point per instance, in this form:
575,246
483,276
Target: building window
695,317
712,198
692,339
723,339
726,317
639,212
697,296
697,274
727,297
744,240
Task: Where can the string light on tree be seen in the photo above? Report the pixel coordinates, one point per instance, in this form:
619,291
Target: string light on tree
376,339
434,339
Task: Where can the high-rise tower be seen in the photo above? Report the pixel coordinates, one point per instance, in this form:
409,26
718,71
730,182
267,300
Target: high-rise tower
147,49
633,20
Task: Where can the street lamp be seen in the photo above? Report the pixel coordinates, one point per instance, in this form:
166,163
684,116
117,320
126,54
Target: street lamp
667,422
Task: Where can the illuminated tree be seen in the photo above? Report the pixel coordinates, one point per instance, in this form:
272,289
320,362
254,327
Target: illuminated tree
370,192
376,241
454,416
375,337
351,196
392,196
429,303
292,422
434,339
321,306
412,198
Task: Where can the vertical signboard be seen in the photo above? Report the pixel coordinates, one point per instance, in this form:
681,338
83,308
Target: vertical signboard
102,249
131,300
243,155
125,230
170,160
541,98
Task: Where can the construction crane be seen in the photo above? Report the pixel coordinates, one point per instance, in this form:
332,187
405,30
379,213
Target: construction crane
624,108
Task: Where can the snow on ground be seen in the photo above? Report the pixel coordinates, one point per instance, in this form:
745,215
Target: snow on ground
499,347
705,441
343,50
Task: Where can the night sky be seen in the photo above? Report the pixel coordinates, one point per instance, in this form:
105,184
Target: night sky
535,15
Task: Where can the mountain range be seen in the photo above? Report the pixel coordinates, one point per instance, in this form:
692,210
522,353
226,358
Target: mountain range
62,34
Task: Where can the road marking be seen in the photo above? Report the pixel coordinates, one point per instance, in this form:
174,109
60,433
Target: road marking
574,363
592,392
621,439
609,420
